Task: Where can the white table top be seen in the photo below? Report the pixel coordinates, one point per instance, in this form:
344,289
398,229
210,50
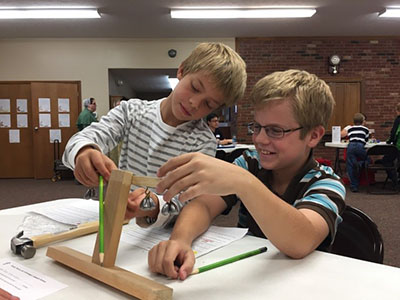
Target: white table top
231,148
270,275
344,145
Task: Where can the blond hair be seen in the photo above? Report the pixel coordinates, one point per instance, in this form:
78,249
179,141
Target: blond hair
310,97
227,68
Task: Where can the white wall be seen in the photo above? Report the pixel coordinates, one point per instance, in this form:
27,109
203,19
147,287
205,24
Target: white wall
88,60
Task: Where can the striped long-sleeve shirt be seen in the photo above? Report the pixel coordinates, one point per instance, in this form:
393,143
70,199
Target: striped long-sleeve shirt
147,141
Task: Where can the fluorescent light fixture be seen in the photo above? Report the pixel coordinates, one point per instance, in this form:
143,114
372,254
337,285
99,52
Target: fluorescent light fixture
173,82
390,13
36,13
242,13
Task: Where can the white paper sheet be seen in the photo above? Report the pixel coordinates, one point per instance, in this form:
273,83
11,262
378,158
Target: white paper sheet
44,120
55,134
26,283
216,237
22,120
44,104
335,134
63,120
5,121
14,136
72,214
63,104
22,105
5,105
88,210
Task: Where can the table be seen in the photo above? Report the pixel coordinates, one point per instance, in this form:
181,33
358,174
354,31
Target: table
271,275
230,152
341,145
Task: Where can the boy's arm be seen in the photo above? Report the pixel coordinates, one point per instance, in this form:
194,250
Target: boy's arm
343,133
296,232
175,258
85,150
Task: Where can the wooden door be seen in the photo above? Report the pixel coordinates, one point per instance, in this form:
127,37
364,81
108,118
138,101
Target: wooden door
348,102
47,118
16,157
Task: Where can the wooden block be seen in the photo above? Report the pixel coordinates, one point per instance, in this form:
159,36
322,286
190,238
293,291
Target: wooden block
123,280
115,206
145,181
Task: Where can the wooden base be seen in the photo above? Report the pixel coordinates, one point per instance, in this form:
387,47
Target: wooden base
123,280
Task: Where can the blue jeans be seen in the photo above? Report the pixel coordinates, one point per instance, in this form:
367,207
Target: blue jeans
356,154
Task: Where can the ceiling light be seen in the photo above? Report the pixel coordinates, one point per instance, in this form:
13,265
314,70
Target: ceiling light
242,13
27,13
390,13
173,82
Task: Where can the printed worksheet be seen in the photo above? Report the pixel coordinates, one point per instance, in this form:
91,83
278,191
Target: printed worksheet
215,237
26,283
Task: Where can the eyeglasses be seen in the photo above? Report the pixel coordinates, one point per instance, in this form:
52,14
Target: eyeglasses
274,132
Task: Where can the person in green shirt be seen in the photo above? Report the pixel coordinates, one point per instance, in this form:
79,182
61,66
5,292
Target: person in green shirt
87,116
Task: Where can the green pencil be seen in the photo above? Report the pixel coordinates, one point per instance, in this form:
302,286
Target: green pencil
101,220
229,260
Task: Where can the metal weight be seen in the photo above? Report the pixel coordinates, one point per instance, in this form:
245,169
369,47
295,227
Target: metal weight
147,203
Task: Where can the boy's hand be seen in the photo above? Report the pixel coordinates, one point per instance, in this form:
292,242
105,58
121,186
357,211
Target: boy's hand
89,164
195,174
172,258
133,207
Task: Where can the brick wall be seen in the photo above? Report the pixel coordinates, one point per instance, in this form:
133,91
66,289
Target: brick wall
373,60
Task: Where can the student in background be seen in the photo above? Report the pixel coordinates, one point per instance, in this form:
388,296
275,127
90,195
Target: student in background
286,195
394,132
356,154
213,123
394,138
87,116
154,131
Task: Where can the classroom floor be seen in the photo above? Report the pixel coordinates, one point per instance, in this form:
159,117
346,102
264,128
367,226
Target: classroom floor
383,209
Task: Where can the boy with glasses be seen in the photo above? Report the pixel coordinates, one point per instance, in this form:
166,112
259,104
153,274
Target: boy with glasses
285,194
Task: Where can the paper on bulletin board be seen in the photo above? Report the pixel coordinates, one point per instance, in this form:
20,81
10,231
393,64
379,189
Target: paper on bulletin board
5,121
44,120
335,134
63,105
22,105
55,134
63,120
4,105
22,120
44,104
13,135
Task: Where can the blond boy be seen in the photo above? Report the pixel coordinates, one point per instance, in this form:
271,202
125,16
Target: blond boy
152,132
286,196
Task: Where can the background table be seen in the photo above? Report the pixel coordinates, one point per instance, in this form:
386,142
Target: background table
341,145
271,275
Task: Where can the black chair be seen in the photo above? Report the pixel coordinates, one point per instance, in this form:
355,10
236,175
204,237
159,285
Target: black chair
358,237
389,164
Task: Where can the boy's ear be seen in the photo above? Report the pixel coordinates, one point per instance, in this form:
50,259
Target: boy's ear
179,73
315,136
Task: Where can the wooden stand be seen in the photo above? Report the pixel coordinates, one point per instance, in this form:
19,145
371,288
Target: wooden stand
123,280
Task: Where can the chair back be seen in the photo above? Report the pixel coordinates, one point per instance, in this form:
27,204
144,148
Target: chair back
383,150
358,237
